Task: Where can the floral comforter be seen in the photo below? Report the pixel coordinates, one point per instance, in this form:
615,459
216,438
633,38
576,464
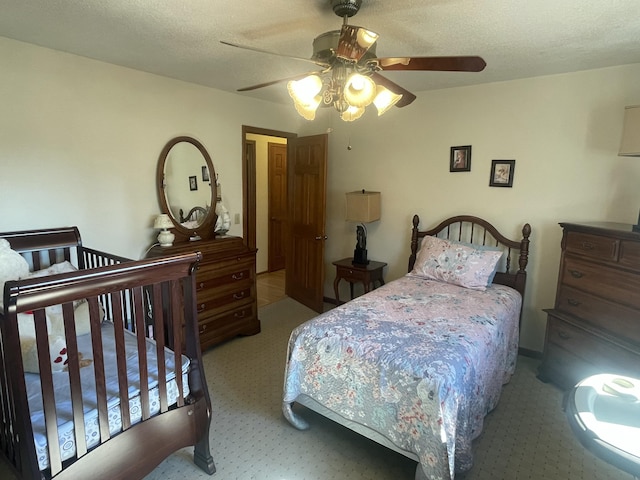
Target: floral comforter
419,361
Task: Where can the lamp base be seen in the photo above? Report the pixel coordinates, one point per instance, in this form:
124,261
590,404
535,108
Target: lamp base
166,238
360,256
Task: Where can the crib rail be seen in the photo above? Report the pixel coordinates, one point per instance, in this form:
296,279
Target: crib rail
152,298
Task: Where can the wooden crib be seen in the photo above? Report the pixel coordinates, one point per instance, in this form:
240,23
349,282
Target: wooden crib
142,328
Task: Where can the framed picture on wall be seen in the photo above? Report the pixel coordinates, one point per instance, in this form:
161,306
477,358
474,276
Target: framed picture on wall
205,173
460,159
502,173
193,183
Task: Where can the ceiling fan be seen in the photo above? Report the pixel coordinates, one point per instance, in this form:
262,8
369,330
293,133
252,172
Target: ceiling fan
348,77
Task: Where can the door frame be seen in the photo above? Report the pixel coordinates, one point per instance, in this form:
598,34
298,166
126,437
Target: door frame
249,172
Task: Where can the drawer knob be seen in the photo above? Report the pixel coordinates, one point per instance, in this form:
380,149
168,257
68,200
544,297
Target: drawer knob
201,308
588,245
238,276
239,295
350,272
240,314
575,273
572,302
201,285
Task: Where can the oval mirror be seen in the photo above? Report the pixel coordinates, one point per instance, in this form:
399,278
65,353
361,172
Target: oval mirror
187,187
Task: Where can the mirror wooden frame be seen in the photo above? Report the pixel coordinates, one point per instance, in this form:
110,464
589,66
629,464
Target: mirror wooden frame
205,230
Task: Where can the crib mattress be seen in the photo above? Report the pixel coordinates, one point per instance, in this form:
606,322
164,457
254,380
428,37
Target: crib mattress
62,393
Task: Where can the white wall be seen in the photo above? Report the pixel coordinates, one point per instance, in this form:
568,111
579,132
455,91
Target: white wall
80,140
564,133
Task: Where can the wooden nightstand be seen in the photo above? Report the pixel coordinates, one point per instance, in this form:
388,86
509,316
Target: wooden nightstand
365,274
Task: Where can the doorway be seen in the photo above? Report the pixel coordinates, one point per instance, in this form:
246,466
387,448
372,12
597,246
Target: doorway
265,207
306,210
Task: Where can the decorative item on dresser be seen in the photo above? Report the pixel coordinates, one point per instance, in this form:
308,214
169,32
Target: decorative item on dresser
226,297
595,324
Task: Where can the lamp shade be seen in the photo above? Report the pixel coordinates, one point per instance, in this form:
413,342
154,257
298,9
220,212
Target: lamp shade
363,206
630,143
162,221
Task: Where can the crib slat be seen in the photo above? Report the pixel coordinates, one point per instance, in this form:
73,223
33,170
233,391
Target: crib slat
74,378
101,387
157,315
123,381
142,352
176,322
46,385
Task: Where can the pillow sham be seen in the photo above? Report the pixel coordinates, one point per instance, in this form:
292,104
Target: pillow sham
457,263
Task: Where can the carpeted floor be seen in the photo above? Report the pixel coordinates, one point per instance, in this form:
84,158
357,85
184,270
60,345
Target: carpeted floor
525,437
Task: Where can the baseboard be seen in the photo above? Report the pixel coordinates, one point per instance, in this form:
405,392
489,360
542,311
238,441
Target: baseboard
525,352
332,301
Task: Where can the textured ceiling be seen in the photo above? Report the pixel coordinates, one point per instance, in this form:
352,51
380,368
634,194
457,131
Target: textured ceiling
180,38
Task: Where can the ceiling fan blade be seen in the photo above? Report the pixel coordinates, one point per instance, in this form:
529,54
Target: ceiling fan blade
442,64
259,50
407,96
282,80
354,42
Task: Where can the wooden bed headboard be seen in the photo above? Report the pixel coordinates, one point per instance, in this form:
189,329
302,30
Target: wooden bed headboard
475,230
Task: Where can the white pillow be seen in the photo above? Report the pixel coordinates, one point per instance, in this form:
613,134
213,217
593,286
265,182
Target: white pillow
12,267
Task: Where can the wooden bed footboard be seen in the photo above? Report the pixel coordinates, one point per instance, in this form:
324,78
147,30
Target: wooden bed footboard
146,311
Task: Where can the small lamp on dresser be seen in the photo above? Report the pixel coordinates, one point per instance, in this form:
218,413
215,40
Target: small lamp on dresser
362,207
630,143
163,223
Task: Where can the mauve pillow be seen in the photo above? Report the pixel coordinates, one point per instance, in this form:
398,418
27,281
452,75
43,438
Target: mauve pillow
455,262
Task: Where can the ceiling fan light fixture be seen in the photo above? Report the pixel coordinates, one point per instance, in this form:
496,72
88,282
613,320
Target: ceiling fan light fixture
352,113
305,90
385,99
359,91
308,110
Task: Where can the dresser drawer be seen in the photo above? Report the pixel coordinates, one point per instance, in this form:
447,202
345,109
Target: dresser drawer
613,317
590,348
215,301
610,283
242,320
630,254
227,274
596,246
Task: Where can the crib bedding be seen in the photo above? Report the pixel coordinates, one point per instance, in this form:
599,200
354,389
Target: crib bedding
420,362
62,392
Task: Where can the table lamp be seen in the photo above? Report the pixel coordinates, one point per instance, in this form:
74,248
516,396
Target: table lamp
630,143
163,223
362,207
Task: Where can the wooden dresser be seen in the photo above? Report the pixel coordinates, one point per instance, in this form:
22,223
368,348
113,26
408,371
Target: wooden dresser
226,287
595,324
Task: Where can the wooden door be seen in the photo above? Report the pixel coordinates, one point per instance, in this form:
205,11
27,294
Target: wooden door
277,166
307,185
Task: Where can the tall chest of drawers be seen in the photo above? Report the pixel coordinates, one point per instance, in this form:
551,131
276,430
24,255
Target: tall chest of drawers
225,287
594,326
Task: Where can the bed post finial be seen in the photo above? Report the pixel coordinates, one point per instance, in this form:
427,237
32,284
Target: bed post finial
414,242
524,247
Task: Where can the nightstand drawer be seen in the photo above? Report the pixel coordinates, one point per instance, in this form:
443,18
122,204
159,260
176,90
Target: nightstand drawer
615,318
350,274
610,283
596,246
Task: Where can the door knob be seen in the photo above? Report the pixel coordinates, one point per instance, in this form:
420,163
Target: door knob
322,237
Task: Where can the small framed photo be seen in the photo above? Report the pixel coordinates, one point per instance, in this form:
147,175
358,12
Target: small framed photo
502,173
193,183
460,159
205,173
